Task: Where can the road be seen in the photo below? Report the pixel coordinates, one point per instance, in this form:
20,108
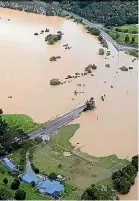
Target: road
103,33
58,123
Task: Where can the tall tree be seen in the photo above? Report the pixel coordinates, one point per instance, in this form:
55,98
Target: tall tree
4,130
127,39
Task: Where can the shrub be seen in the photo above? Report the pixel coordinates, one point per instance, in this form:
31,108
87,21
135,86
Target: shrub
1,111
14,185
89,71
36,34
2,170
38,140
123,68
135,162
101,51
20,194
55,81
93,31
46,30
5,181
94,67
53,176
107,65
135,32
33,183
100,38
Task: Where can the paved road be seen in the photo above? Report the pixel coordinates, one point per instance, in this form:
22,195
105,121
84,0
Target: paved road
103,33
58,123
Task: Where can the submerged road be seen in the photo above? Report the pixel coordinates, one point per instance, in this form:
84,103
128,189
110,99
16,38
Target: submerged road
103,33
58,123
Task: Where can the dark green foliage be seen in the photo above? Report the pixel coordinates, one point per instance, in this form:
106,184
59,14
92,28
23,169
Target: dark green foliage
133,40
124,179
33,183
134,32
5,194
20,194
15,185
53,176
110,13
93,31
35,169
5,181
53,38
98,193
1,111
126,39
135,161
38,140
134,53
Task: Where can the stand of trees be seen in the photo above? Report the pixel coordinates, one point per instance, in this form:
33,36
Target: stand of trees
110,13
11,136
98,193
125,178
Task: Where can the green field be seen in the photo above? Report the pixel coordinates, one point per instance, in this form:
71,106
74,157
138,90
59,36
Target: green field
79,169
23,121
130,28
31,193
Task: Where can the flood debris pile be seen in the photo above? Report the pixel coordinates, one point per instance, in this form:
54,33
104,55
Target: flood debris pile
54,58
55,81
90,105
101,51
51,39
123,68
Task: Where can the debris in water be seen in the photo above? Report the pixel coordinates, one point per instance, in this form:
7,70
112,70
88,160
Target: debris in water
111,86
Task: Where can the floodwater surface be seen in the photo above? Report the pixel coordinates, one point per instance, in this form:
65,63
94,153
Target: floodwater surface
25,73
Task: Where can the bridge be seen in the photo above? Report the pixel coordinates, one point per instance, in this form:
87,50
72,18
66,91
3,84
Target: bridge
58,123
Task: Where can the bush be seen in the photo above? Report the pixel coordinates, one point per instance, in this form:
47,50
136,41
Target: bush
5,181
53,176
55,81
38,140
107,65
123,68
135,32
33,183
14,185
93,31
20,194
135,162
36,170
94,67
36,34
101,51
2,170
1,111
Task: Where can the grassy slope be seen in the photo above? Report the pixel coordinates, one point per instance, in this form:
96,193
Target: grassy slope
80,170
25,122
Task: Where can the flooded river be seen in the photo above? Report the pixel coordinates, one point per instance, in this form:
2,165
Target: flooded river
25,73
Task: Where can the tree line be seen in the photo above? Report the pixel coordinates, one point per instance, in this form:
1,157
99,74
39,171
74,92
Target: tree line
109,13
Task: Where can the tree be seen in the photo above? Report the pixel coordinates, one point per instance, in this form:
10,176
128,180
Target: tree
135,162
4,139
33,183
126,39
15,185
101,51
133,40
53,176
98,193
1,111
122,185
5,181
20,194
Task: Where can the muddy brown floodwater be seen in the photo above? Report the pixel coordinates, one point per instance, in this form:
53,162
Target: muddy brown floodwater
25,72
